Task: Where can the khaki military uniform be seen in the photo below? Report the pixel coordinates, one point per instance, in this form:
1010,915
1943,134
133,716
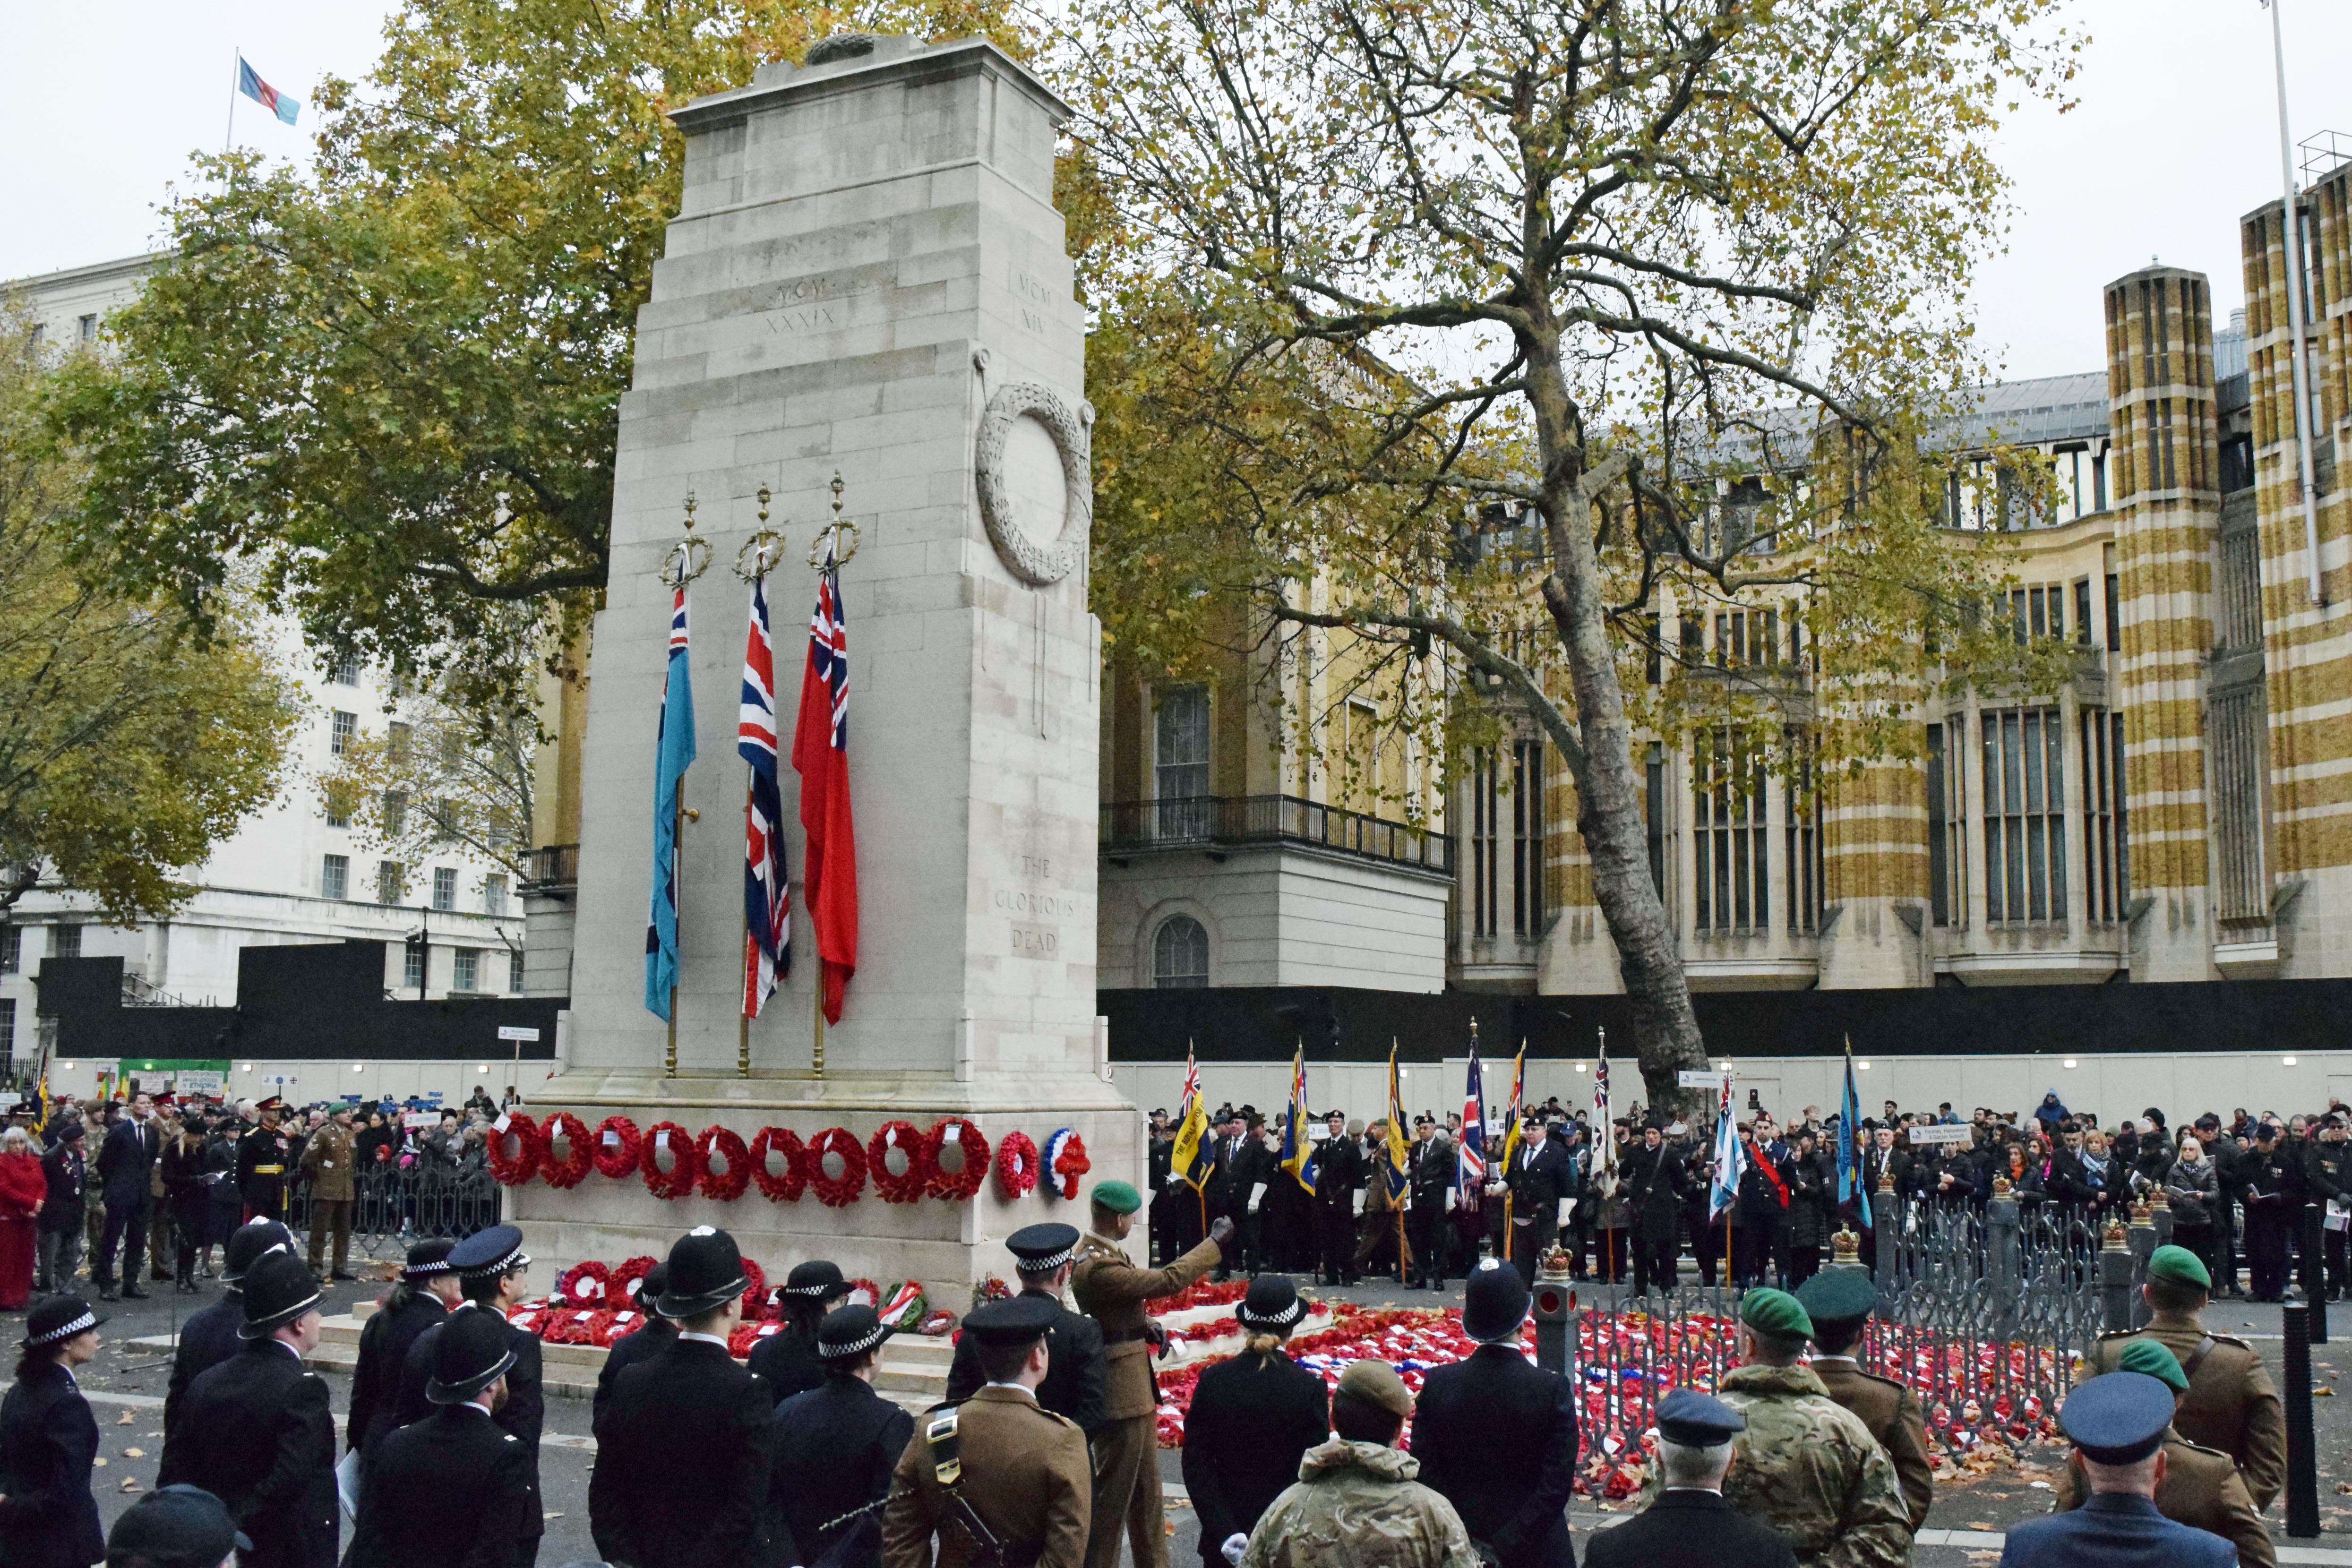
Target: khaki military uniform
2231,1404
1112,1291
1894,1416
1025,1473
328,1161
1810,1469
1358,1503
2200,1488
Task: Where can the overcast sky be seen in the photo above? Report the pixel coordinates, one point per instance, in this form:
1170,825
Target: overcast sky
2176,138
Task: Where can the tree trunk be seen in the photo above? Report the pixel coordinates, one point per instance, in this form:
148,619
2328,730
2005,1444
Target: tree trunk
1607,791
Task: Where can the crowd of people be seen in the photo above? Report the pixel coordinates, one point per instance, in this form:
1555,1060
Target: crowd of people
1042,1454
94,1187
1640,1207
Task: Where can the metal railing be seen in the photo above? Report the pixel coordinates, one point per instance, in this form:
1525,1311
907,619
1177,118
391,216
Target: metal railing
391,1209
1212,821
554,868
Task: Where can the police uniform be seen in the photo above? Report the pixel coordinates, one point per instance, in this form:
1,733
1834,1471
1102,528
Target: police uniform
1112,1291
836,1448
786,1362
1840,1302
385,1342
453,1489
1691,1526
999,1463
256,1433
209,1337
262,1156
683,1450
1074,1385
2116,1419
486,1255
654,1335
2231,1405
1253,1418
48,1442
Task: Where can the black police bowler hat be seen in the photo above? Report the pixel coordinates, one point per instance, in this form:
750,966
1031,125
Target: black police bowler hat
426,1259
277,1291
705,1269
849,1330
816,1280
1272,1303
474,1351
175,1527
489,1253
1493,1301
249,1244
56,1318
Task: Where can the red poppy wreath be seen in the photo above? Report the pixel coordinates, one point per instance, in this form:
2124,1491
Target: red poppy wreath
579,1157
841,1191
722,1144
785,1144
678,1180
1017,1165
618,1147
513,1170
958,1185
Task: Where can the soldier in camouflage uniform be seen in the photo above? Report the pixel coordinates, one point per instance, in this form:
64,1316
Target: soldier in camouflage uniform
1806,1466
1356,1499
2199,1486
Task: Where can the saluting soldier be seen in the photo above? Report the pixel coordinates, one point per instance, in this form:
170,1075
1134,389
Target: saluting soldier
998,1478
2117,1424
48,1442
1839,1304
256,1431
786,1362
209,1337
1112,1291
1690,1525
683,1450
262,1156
453,1488
1043,1256
1806,1464
836,1447
426,1290
2232,1404
1497,1436
2197,1486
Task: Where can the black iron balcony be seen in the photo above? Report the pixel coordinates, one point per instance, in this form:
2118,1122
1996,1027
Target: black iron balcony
1217,822
554,871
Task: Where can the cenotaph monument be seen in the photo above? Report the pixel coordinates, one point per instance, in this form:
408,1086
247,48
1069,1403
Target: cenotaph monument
865,278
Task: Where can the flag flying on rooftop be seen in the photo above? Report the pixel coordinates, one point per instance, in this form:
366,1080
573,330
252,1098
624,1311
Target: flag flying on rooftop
673,754
767,905
249,82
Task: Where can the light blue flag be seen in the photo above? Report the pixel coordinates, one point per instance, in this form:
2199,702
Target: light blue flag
1849,1147
1729,1160
673,754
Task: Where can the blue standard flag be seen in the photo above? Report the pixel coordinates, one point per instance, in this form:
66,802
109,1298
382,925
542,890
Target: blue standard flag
249,82
673,754
1849,1146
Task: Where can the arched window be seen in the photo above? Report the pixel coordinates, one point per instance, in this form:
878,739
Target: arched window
1179,954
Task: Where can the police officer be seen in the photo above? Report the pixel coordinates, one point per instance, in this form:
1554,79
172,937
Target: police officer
654,1335
1042,1257
1253,1418
835,1447
1496,1435
453,1488
999,1468
1112,1291
1806,1464
2117,1424
48,1442
209,1337
1690,1525
786,1362
175,1527
2199,1486
262,1156
2231,1404
683,1451
1839,1305
428,1287
493,1273
256,1431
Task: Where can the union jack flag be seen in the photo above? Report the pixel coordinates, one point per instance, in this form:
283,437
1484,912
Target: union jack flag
1470,1172
1603,1138
767,907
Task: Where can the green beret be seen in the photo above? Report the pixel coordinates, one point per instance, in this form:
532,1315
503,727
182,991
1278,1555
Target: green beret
1118,1197
2181,1266
1841,1295
1776,1313
2146,1355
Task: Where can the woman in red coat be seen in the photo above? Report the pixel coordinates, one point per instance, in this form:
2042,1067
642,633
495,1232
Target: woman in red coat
22,1189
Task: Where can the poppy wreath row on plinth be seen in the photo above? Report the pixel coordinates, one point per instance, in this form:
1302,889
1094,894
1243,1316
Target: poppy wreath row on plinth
718,1164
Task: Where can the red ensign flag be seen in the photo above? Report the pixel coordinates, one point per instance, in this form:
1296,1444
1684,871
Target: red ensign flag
821,756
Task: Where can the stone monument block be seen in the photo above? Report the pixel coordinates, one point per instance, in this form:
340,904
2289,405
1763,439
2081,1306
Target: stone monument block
866,278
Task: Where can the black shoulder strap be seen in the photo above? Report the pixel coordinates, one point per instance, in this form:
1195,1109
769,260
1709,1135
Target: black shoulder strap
2197,1358
946,1446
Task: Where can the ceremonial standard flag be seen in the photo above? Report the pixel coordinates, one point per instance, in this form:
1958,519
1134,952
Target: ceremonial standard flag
767,905
1511,1114
1193,1121
1396,1152
1602,1133
1728,1160
249,82
821,756
673,754
1849,1146
1297,1147
1470,1161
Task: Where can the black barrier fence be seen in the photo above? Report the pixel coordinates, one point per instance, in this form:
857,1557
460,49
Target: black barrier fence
391,1209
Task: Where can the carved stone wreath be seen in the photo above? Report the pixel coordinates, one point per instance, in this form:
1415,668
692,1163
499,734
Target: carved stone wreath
1034,563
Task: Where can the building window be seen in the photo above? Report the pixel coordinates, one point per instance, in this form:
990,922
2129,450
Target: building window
466,967
411,968
2237,463
2238,592
1746,637
1180,753
2104,890
1728,834
1526,838
39,335
494,895
337,802
2025,815
1947,827
2235,732
2115,617
399,741
514,970
65,941
396,812
391,882
1485,797
88,327
11,949
341,727
1179,954
7,1037
335,877
347,671
1654,803
444,887
2083,610
1802,806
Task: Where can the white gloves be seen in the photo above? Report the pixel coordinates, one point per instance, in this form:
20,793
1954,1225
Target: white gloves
1450,1195
1236,1544
1498,1189
1257,1191
1358,1196
1174,1177
1567,1207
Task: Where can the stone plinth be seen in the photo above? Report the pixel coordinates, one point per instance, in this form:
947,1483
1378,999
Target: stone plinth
867,276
